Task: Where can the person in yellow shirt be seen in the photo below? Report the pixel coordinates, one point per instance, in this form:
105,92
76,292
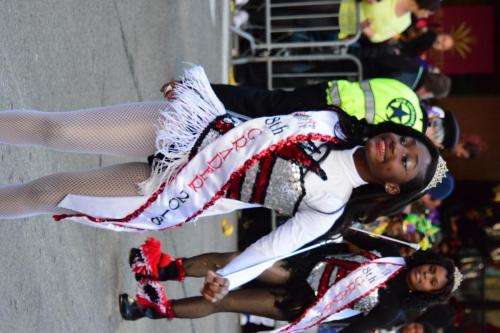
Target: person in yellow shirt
383,19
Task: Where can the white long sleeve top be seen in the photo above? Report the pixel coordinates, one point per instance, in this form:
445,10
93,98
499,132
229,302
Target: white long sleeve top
321,206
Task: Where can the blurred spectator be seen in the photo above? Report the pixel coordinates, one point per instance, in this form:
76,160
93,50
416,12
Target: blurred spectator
444,189
413,48
434,84
443,42
434,197
443,128
469,146
427,82
383,19
424,42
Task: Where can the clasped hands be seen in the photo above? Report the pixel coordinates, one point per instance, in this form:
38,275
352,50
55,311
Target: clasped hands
215,287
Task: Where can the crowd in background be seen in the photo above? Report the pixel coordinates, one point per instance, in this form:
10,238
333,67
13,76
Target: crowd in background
398,37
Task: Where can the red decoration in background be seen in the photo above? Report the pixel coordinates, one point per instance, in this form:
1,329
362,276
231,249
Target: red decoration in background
472,27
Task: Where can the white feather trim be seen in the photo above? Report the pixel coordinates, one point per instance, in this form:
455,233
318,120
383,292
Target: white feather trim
160,294
184,119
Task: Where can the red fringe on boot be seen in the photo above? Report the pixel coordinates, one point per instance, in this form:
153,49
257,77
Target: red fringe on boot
151,295
150,259
180,268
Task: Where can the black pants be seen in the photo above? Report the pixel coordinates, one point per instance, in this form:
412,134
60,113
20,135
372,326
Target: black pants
255,102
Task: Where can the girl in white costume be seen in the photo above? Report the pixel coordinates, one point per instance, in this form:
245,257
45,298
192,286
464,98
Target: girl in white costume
308,165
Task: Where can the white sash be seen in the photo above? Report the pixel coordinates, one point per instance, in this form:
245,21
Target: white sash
346,292
205,177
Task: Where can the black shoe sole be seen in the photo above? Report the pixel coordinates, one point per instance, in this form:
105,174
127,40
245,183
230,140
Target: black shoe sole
129,311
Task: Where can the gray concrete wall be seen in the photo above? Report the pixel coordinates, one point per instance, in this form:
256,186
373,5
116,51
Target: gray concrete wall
69,54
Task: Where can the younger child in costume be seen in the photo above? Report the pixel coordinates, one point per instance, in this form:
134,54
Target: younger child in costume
321,282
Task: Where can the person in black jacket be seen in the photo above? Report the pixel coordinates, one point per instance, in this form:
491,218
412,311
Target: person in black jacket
255,102
428,40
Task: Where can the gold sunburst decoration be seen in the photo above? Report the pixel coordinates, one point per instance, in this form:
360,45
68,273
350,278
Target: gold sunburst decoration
463,39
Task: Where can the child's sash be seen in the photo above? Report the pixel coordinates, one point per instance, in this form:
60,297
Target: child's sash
346,292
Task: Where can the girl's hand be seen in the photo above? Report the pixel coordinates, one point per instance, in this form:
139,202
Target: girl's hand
168,90
215,288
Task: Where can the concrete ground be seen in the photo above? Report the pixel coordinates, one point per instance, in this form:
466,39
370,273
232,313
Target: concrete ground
69,54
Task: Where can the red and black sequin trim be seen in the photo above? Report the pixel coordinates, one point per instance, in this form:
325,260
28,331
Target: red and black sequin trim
221,124
262,179
235,175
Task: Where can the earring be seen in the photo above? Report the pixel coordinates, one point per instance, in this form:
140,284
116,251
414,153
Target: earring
391,188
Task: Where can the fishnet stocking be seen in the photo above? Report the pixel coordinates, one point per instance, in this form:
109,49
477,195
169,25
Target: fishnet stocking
259,302
198,266
126,129
42,195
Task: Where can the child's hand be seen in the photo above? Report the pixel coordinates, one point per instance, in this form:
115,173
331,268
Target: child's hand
168,90
215,288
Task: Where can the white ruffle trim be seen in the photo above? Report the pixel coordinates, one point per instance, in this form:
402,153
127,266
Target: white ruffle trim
184,119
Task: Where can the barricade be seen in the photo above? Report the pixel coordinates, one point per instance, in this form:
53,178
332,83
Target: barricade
297,42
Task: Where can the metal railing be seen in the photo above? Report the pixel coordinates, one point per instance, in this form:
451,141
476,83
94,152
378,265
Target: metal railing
298,45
